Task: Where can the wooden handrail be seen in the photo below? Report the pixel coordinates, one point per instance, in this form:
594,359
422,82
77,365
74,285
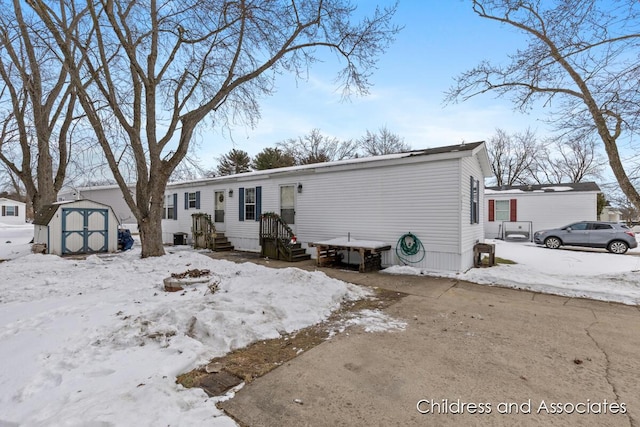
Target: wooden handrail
273,228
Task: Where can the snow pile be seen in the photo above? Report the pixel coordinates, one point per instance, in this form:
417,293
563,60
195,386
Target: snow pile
100,340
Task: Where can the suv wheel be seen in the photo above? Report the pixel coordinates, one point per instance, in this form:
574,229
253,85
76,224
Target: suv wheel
552,242
617,247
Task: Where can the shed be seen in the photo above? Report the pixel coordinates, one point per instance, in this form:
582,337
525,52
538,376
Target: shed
12,212
524,209
76,227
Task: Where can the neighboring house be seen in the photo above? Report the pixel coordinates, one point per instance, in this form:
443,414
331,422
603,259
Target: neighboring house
517,211
12,211
434,194
108,194
610,214
76,227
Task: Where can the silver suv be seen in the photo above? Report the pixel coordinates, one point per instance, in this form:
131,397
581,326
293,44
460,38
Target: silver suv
616,238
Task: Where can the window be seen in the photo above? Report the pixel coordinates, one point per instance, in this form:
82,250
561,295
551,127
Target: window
602,226
249,203
580,226
502,210
475,197
192,200
9,211
169,206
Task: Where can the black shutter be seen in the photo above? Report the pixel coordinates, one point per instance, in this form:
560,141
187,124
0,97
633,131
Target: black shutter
197,200
186,201
258,202
241,204
175,206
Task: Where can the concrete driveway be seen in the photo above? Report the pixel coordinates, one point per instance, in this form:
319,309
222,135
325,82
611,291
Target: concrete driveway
470,355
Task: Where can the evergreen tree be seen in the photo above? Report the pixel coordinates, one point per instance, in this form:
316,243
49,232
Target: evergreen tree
271,158
235,161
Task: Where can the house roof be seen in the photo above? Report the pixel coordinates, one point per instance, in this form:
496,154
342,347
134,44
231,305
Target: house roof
6,199
471,148
544,188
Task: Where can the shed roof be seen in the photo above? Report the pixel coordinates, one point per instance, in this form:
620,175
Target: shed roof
544,188
44,215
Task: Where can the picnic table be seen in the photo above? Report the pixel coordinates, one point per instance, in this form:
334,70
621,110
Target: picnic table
328,252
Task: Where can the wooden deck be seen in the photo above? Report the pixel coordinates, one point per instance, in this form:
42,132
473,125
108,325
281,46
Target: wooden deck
370,252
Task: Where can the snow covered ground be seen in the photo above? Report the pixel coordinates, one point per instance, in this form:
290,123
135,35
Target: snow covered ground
99,342
584,272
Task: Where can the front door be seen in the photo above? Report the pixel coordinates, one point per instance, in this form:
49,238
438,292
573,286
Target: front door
288,204
218,213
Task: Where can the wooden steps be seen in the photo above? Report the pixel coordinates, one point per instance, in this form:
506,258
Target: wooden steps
221,243
298,253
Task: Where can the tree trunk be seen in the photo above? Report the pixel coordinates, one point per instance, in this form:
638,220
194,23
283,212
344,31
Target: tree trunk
151,234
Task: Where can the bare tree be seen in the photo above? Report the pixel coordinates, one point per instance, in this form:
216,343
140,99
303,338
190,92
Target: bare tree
581,59
40,104
235,161
382,142
189,169
513,157
629,213
562,161
318,148
161,69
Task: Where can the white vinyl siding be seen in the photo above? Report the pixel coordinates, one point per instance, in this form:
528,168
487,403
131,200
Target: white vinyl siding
545,209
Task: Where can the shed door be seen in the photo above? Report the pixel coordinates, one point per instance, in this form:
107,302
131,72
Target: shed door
85,230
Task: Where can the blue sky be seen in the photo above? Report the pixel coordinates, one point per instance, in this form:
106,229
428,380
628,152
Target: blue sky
440,40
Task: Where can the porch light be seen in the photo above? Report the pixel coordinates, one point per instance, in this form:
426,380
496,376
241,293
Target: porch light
299,187
230,192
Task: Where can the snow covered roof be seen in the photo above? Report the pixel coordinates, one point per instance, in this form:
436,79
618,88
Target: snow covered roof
544,188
